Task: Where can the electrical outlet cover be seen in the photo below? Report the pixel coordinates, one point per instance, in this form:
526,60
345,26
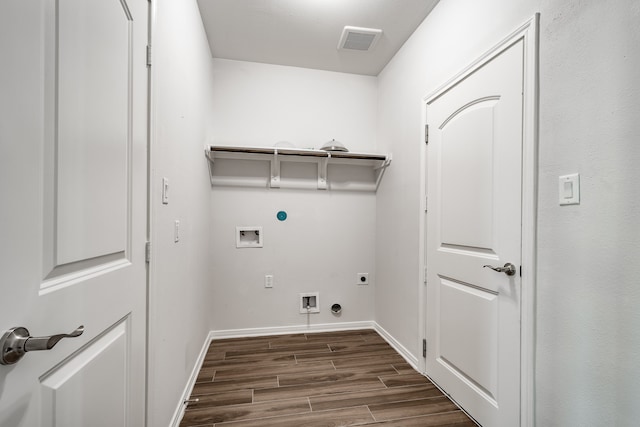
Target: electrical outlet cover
268,281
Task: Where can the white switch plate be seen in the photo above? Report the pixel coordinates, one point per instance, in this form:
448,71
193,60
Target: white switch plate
569,189
165,191
268,281
176,231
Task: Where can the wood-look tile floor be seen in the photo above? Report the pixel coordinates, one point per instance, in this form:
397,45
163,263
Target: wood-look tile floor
348,378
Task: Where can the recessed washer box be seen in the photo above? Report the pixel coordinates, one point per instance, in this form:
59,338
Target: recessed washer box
248,237
310,302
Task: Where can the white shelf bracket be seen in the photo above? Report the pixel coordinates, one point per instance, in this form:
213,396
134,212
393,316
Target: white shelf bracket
380,170
275,170
322,172
209,155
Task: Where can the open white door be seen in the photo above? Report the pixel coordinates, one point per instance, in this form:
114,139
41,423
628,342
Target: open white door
474,220
73,180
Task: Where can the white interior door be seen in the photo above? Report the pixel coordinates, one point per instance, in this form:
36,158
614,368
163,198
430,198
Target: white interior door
73,180
474,219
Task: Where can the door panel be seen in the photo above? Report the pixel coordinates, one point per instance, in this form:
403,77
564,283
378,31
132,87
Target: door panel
469,320
474,219
466,177
91,117
73,177
92,120
98,373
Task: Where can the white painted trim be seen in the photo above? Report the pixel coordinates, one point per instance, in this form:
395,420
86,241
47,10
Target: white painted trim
529,33
151,222
422,244
406,354
529,221
294,329
179,412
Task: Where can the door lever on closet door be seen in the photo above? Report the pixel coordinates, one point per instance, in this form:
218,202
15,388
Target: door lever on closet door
508,269
17,341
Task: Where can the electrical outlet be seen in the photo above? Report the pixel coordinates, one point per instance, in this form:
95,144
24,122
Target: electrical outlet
363,278
268,281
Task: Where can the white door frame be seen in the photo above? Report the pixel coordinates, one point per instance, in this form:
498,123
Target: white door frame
528,32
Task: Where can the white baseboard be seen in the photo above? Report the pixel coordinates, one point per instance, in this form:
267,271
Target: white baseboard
295,329
406,354
283,330
179,412
327,327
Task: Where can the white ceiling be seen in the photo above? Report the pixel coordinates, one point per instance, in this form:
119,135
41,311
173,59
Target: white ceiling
305,33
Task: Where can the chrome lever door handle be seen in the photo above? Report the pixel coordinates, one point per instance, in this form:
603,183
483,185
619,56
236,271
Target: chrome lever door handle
47,343
17,341
508,269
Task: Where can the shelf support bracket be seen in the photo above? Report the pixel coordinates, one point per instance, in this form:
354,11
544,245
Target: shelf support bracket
380,170
275,170
209,155
322,172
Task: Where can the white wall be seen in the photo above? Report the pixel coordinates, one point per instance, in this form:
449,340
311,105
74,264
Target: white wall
452,36
260,104
588,340
180,318
589,255
587,335
326,240
329,235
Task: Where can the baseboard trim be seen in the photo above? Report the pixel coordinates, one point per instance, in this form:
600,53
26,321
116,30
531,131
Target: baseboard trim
294,329
179,412
327,327
402,350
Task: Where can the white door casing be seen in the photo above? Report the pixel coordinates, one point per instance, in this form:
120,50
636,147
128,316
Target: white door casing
73,180
474,187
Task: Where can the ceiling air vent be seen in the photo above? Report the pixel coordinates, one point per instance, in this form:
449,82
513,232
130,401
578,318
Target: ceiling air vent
356,38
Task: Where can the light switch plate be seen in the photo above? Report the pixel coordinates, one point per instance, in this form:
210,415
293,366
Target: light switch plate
165,191
569,189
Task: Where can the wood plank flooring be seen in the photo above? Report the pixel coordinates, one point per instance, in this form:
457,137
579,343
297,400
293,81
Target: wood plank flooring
348,378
